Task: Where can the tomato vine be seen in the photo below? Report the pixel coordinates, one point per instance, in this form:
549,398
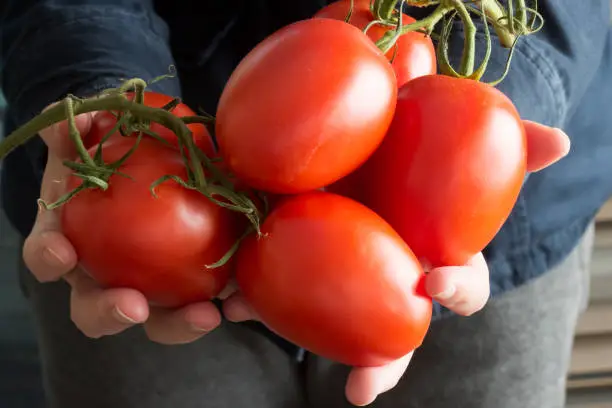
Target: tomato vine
133,116
509,23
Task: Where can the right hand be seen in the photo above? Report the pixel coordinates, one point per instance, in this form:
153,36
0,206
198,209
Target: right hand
96,311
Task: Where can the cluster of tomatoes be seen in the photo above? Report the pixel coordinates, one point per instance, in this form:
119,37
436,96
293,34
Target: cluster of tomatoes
377,164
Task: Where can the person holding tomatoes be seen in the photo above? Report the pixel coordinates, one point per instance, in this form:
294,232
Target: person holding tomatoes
503,322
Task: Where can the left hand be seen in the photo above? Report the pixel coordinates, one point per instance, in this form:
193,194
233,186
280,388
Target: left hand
462,289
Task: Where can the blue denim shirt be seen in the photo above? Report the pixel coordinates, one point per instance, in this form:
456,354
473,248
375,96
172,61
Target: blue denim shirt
560,77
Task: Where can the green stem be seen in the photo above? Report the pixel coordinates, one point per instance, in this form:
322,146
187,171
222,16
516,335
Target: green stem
469,42
139,89
134,83
522,15
62,200
387,41
112,102
430,21
172,104
233,249
535,16
510,12
347,19
196,119
480,71
384,9
74,133
422,3
496,13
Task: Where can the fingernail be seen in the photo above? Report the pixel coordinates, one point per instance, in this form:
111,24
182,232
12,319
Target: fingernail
52,258
446,294
122,317
200,329
567,142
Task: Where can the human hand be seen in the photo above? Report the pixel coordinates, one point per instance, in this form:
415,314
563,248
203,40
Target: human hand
462,289
95,311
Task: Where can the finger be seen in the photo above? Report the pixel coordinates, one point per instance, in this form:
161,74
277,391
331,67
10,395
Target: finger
46,252
545,145
48,221
463,289
365,384
237,309
182,326
98,312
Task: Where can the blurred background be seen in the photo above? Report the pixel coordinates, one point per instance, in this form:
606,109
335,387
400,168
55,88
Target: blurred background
20,380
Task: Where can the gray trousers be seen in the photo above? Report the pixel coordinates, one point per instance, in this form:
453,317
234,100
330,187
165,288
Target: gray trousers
513,354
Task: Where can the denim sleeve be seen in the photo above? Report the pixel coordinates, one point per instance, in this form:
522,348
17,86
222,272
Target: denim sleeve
54,47
551,70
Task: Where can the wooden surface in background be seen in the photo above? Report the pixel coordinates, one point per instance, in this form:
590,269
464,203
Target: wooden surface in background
590,376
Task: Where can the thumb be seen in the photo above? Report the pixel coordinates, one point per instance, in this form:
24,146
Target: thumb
364,384
46,251
545,145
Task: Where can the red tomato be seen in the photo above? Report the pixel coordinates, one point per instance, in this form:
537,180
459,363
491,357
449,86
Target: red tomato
305,107
449,171
124,237
415,54
105,121
333,277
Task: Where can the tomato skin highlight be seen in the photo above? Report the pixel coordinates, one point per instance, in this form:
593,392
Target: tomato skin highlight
305,107
449,171
104,122
415,54
124,237
333,277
